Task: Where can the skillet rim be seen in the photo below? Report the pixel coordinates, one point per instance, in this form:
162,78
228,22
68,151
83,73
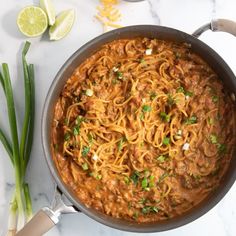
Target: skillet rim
125,225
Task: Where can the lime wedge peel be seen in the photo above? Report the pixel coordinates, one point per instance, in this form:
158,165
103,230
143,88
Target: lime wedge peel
63,24
32,21
48,7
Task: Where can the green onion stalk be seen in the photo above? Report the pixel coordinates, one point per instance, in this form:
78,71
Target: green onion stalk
19,149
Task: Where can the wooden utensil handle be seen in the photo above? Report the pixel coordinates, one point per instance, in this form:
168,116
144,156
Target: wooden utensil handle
38,225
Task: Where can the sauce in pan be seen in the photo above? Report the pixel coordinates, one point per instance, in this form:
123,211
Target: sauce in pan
143,130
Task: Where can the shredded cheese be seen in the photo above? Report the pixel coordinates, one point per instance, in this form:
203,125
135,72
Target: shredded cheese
108,14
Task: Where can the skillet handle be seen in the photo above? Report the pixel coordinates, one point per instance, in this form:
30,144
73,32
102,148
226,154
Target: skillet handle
222,25
42,222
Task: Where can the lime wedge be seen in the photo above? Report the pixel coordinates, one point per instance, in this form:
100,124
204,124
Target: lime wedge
32,21
63,24
48,7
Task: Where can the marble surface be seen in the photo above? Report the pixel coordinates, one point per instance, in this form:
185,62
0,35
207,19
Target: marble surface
48,57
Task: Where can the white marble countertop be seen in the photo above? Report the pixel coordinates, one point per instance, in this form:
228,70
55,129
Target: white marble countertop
48,57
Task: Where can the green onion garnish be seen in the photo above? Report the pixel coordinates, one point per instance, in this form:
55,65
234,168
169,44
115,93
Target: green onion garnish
144,183
166,141
146,108
149,209
213,139
161,158
85,166
135,215
180,90
162,177
185,92
127,180
135,177
85,151
165,117
215,98
76,131
98,177
90,138
222,149
153,95
67,137
191,120
170,100
120,143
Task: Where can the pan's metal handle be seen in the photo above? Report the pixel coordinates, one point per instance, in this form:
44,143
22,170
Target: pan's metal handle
43,221
222,25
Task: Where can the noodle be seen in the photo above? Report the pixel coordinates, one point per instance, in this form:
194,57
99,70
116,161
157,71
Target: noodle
139,124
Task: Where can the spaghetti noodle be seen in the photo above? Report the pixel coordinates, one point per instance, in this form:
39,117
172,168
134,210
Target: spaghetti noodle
143,130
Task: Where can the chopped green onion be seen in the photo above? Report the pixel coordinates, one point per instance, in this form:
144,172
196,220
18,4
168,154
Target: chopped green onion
153,95
119,75
127,180
162,177
85,166
177,55
166,141
143,200
185,92
213,139
146,108
79,120
191,120
151,181
180,90
211,121
215,98
149,209
76,130
90,138
144,183
98,177
165,117
136,215
67,137
66,121
162,158
89,92
114,81
120,143
56,147
188,93
85,151
197,177
146,173
135,177
170,100
151,177
221,148
142,60
141,116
